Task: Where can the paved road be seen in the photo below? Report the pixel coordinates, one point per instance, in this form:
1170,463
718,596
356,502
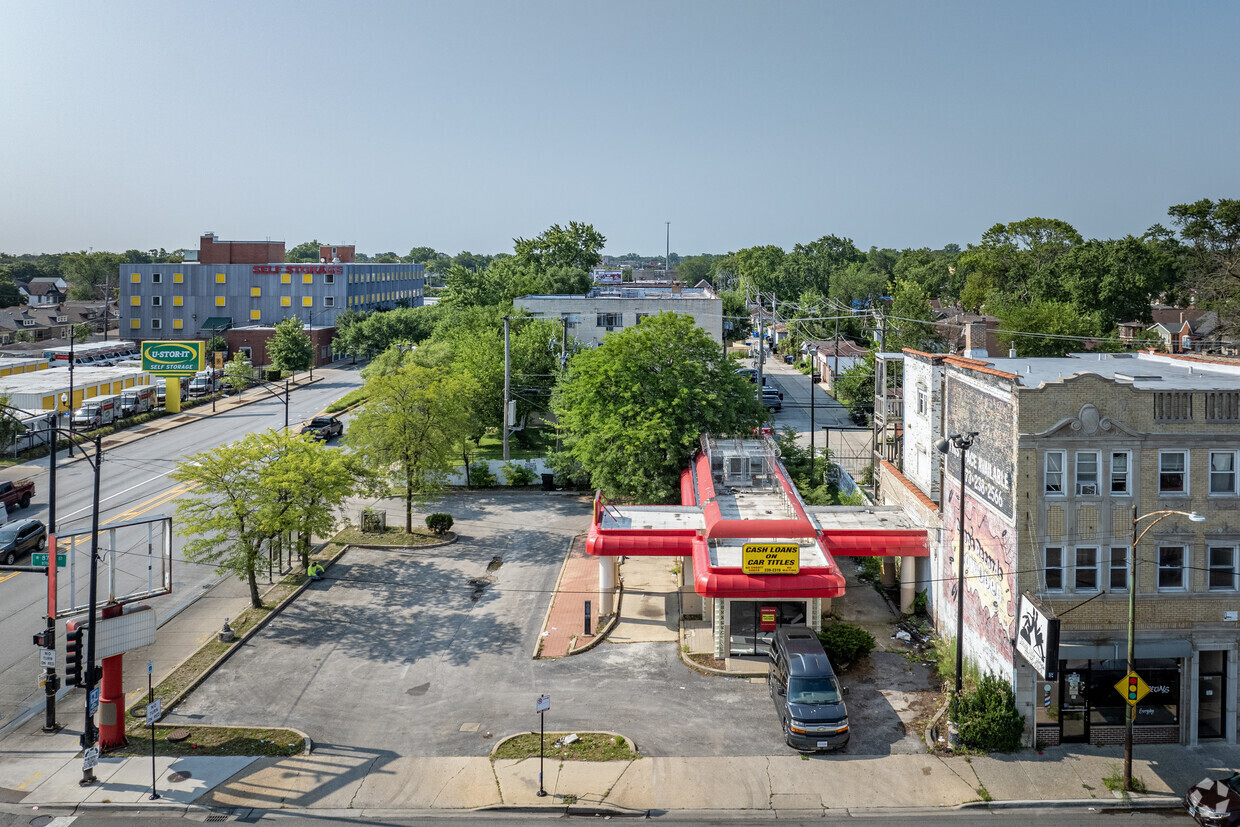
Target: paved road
134,484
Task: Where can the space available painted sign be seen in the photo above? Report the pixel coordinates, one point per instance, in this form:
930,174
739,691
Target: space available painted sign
1037,637
172,358
988,464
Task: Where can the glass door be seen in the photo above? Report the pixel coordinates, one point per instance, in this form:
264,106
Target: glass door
1074,706
1211,694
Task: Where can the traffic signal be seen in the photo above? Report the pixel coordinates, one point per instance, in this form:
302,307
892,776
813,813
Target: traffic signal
46,640
73,652
1132,689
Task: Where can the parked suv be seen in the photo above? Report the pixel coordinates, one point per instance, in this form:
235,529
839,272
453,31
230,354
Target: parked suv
807,696
772,399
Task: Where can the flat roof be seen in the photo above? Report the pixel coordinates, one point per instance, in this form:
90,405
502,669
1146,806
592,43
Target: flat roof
57,379
1144,371
652,517
861,518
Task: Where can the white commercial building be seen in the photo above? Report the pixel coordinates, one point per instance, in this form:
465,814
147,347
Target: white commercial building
607,309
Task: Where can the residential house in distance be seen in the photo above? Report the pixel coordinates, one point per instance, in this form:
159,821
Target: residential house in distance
1181,330
1068,452
606,309
829,356
38,323
44,291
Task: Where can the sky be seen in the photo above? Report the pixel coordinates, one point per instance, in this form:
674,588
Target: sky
462,125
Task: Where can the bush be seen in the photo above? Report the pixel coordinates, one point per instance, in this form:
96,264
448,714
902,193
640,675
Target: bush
988,717
439,522
519,473
845,644
921,603
480,475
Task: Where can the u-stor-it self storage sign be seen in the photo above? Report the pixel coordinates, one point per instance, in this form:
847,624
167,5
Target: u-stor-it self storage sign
172,358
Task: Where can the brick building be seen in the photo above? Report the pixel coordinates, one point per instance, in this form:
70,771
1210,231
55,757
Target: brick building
1068,451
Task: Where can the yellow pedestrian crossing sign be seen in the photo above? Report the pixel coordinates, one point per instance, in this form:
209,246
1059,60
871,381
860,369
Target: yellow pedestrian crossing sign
1132,688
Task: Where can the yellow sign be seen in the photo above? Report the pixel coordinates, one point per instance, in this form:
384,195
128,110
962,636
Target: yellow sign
219,360
770,558
1132,688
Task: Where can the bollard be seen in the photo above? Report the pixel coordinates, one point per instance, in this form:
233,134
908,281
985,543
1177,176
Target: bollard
587,618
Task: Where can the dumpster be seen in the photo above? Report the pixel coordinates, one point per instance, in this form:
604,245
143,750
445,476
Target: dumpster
548,482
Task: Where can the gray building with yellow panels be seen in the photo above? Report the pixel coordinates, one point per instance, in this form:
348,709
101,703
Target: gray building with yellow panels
187,300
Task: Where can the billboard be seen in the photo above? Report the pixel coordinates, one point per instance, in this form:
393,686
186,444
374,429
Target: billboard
172,358
990,463
608,276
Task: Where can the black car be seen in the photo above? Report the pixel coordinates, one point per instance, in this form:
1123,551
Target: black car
1212,801
21,537
323,427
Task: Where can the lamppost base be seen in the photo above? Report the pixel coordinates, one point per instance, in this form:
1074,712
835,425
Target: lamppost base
541,793
54,728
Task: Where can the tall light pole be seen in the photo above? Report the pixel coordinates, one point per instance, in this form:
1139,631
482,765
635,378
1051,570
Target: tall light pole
1132,617
962,443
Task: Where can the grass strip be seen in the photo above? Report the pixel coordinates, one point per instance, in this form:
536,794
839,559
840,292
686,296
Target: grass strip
589,746
389,537
212,740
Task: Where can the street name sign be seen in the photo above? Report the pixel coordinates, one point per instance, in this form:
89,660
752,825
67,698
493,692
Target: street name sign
39,558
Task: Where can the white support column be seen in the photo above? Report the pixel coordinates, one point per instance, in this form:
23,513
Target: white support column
606,585
889,572
723,634
813,613
908,584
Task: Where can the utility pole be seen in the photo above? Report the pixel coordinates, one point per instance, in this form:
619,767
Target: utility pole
835,371
667,251
90,735
761,346
507,424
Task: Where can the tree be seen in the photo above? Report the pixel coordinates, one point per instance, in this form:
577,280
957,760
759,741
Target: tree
1049,319
217,344
242,495
432,259
576,245
289,348
409,427
1211,230
306,251
912,319
239,372
87,274
634,409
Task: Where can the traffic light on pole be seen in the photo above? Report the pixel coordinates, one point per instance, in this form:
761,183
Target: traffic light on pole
1132,689
73,652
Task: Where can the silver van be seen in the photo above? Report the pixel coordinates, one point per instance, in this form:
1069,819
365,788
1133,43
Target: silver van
807,695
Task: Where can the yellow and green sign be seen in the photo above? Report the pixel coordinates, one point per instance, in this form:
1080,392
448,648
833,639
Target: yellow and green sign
770,558
172,358
1132,688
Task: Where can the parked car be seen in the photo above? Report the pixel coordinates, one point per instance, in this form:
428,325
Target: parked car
15,494
323,427
807,695
1214,801
772,399
21,537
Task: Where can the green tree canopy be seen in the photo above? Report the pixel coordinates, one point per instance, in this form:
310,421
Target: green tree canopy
289,348
576,245
634,408
305,251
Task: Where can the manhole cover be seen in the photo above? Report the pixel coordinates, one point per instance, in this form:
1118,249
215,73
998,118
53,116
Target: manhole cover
177,735
40,821
178,777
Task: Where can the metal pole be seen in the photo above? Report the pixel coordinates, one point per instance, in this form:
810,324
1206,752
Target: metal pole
313,354
49,676
69,405
89,736
1132,630
150,699
963,446
49,720
835,371
286,404
542,739
507,424
811,422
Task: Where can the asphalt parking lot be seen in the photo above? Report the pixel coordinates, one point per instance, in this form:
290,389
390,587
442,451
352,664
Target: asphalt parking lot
397,652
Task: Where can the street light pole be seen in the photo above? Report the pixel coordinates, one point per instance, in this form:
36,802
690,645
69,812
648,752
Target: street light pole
89,734
1130,716
962,443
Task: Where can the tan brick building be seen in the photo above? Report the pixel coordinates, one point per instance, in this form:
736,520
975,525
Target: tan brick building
1067,453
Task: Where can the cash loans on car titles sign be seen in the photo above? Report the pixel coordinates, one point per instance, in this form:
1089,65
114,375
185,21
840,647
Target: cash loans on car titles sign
172,360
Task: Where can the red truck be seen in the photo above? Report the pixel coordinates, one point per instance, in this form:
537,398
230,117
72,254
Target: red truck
18,493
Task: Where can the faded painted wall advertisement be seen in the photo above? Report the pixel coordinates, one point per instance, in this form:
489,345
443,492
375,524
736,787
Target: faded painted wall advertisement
989,465
990,562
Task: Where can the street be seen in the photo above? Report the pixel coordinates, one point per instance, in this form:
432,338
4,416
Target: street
134,484
831,421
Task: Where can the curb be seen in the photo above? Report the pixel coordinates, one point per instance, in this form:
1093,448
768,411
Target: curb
1141,803
626,738
601,634
559,578
253,630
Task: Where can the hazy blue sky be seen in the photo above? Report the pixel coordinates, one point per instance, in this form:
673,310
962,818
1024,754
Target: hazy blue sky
459,125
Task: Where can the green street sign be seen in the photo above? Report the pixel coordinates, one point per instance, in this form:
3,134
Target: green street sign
172,358
39,558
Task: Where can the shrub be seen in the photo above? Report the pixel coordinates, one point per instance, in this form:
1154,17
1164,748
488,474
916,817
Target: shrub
988,717
519,473
439,522
921,603
845,644
480,475
870,570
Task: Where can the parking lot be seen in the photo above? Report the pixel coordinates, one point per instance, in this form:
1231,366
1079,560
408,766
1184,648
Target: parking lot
397,652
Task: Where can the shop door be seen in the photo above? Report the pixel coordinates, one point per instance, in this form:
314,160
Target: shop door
1211,694
748,635
1074,706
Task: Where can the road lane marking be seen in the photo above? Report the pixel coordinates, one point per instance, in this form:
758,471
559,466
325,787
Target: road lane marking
22,785
116,494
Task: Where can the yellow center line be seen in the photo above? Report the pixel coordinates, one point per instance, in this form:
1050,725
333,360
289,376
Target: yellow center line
153,503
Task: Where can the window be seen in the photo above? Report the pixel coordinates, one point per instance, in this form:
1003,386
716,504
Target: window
134,324
1120,465
1086,569
135,278
285,278
177,324
1223,571
922,401
286,301
157,278
177,301
1087,473
255,292
1119,568
1171,564
1053,567
27,322
1222,472
1054,472
307,301
178,278
1173,472
329,278
329,301
306,278
255,315
135,301
157,301
156,324
609,320
219,301
220,278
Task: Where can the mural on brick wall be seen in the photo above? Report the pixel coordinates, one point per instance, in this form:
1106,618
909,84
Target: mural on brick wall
989,464
990,562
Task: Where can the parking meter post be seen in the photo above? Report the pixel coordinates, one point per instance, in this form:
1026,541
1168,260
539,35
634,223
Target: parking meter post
587,618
